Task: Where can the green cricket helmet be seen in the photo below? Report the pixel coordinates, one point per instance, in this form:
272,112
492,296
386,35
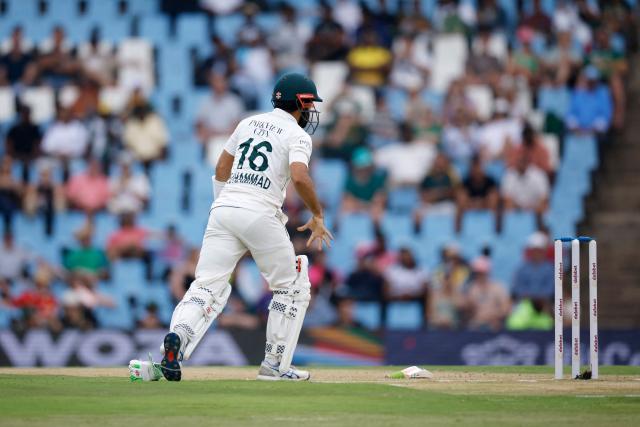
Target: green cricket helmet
295,91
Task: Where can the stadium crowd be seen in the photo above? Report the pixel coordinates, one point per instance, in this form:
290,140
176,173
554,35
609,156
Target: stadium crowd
483,137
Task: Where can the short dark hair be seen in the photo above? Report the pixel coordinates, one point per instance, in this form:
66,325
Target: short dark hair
288,106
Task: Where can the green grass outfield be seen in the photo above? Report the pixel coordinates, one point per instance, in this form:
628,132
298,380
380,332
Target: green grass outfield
361,397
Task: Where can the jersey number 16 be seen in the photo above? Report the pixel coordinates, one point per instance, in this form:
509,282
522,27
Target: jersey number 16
256,153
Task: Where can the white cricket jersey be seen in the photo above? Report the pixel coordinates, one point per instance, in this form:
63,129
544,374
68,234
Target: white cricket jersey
263,146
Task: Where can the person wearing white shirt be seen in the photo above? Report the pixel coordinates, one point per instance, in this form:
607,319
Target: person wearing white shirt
525,187
406,162
218,113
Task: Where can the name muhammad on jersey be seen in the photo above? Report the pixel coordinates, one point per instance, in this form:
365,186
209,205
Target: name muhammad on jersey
257,161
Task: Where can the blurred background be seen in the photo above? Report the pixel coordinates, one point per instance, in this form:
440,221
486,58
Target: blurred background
457,138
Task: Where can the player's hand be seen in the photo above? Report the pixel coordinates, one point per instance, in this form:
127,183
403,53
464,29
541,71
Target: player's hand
318,232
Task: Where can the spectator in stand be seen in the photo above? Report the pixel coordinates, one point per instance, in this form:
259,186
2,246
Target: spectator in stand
410,66
453,268
533,279
482,66
406,281
39,306
23,141
365,283
221,61
150,320
591,107
446,298
346,133
74,316
289,41
365,186
45,197
565,57
218,114
460,137
130,192
321,275
65,139
173,251
553,101
17,65
183,274
383,128
145,134
613,67
14,260
487,303
130,241
408,161
348,14
523,61
530,315
369,61
329,40
82,287
438,190
525,187
324,283
57,66
500,133
89,191
11,191
98,59
537,19
478,191
86,259
532,148
490,16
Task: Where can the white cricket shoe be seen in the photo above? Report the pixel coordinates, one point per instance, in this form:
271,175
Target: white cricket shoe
269,372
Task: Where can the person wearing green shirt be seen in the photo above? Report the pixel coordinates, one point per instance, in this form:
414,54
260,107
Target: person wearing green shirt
86,258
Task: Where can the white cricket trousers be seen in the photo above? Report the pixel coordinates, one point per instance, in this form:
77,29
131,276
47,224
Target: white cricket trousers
230,233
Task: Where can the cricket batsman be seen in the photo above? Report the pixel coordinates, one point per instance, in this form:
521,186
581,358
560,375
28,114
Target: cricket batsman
263,154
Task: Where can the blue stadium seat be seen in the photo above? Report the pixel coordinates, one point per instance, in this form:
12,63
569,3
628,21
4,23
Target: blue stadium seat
438,227
175,68
145,7
396,101
404,315
227,26
114,30
330,177
506,256
341,256
128,276
155,28
517,226
268,22
367,314
356,228
63,10
479,225
192,30
119,317
103,10
24,10
580,152
403,199
398,230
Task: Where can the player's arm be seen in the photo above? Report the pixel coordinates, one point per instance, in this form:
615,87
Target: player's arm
223,172
225,163
305,188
